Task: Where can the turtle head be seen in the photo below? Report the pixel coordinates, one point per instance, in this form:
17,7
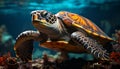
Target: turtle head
43,16
45,21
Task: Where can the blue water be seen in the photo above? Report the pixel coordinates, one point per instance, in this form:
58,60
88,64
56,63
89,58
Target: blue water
16,14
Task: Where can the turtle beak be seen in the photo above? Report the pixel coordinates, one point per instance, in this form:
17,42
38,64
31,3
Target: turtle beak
35,18
37,21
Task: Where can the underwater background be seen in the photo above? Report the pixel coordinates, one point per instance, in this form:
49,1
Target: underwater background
15,18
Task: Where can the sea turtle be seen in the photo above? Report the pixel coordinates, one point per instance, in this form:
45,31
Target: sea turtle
64,31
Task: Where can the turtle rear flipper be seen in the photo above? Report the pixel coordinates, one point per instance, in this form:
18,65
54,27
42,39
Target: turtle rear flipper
90,45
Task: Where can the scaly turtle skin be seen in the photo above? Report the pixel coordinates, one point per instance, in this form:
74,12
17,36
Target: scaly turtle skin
63,31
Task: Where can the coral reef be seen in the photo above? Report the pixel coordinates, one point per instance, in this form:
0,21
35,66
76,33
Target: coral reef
6,41
47,62
115,55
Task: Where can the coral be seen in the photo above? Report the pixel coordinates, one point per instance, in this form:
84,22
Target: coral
115,56
12,63
47,62
4,58
6,41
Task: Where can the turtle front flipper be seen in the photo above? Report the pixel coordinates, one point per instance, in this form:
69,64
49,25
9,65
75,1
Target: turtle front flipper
90,45
24,44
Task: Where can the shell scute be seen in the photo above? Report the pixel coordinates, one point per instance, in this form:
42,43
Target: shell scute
83,23
77,18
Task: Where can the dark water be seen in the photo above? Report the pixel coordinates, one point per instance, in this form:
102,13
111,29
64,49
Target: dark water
15,14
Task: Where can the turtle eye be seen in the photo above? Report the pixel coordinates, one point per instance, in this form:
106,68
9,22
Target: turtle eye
43,14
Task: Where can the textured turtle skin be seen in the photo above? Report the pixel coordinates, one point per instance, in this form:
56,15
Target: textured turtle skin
64,31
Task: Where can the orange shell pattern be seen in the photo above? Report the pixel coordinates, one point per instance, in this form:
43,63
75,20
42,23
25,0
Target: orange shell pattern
82,22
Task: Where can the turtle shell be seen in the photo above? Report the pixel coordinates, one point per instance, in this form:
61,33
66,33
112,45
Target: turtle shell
80,22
